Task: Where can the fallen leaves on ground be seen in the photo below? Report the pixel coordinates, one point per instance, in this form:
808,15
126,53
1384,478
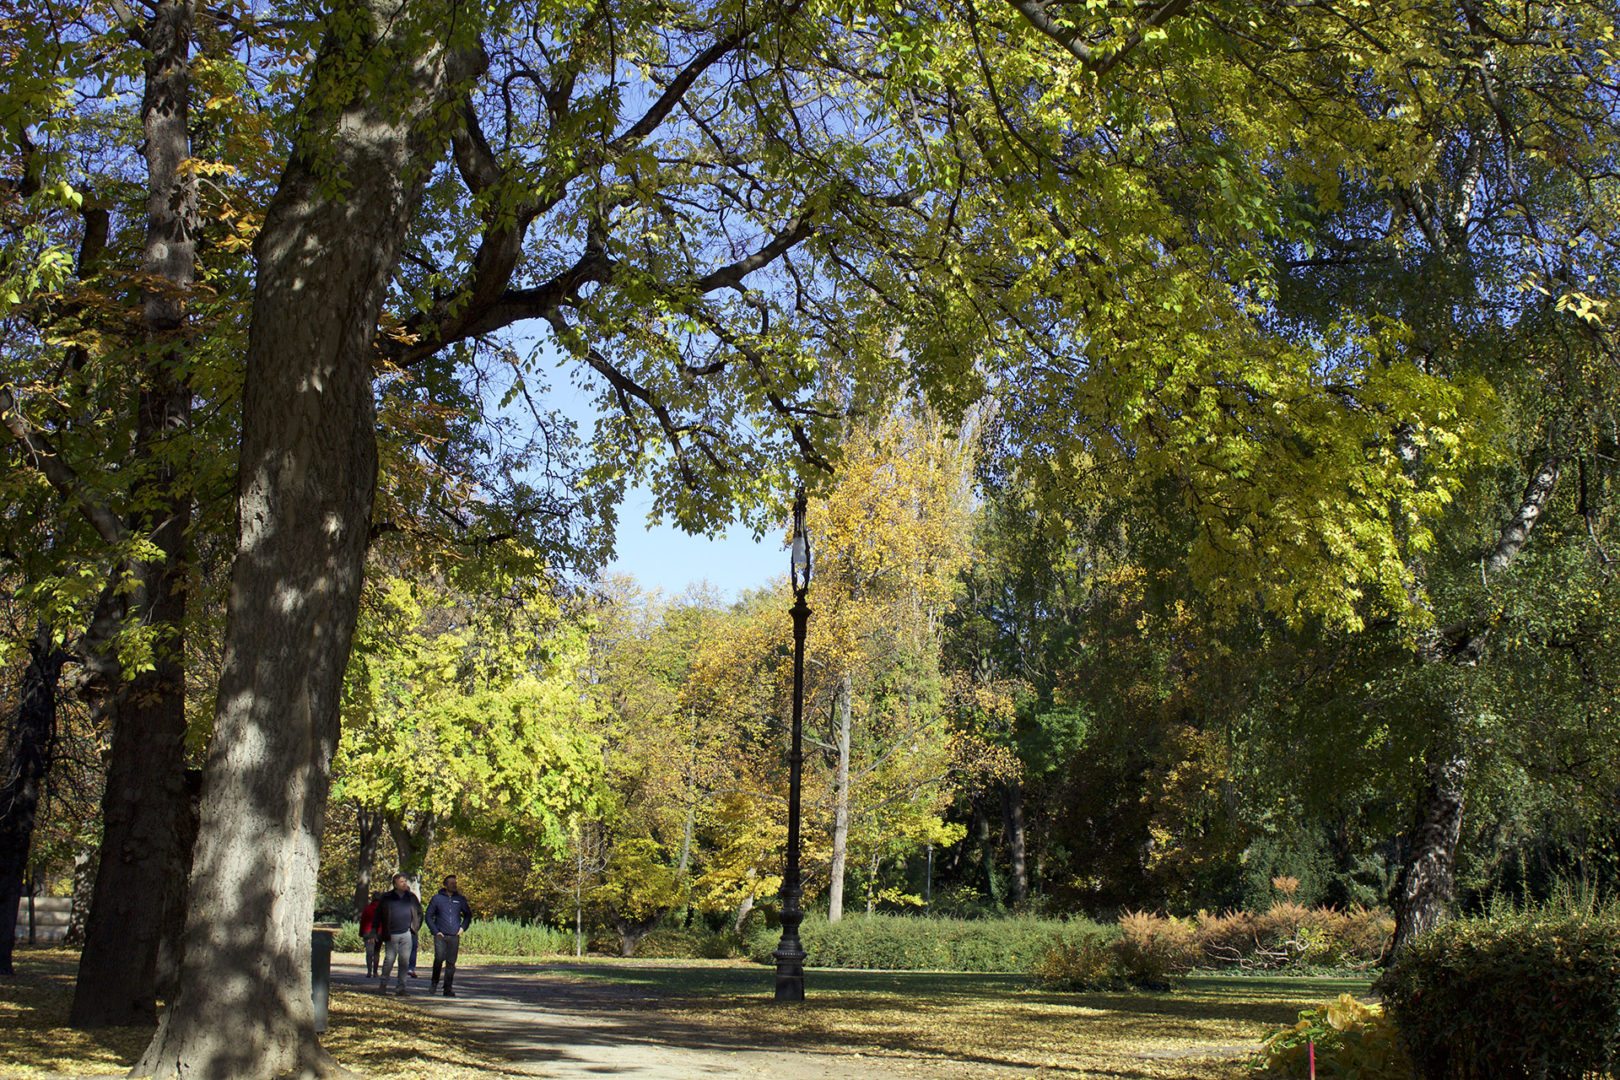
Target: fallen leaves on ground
373,1036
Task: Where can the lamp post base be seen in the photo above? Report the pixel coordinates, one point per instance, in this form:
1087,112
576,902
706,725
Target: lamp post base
789,974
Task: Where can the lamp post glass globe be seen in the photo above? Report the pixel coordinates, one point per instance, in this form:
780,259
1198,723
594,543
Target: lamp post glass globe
801,548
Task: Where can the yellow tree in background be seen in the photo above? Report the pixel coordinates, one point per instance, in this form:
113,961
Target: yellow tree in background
890,536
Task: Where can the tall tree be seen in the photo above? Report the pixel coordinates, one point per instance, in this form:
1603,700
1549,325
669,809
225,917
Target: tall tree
889,537
373,118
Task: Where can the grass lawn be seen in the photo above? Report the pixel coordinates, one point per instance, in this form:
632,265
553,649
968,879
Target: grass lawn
952,1025
923,1024
364,1033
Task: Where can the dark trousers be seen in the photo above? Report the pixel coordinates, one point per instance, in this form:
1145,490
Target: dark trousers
445,950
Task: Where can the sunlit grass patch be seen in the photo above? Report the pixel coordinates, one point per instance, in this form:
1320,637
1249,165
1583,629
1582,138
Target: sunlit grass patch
963,1026
373,1036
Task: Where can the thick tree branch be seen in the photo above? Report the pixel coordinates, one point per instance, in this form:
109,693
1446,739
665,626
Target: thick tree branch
731,275
1039,15
1516,532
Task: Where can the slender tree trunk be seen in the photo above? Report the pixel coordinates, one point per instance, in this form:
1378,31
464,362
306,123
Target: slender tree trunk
144,806
1017,840
987,851
840,837
28,747
371,830
744,909
331,236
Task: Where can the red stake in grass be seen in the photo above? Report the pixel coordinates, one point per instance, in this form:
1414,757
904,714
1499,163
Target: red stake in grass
1310,1048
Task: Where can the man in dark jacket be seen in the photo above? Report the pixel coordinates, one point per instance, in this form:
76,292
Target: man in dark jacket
448,914
399,916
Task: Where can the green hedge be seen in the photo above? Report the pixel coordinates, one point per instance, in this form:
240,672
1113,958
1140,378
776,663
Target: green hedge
487,937
1522,996
917,943
676,943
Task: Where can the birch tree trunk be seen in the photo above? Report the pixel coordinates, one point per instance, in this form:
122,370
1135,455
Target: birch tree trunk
331,236
1427,883
840,837
1428,880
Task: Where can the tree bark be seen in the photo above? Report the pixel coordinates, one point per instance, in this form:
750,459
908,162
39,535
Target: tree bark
740,921
371,830
379,91
840,837
145,804
1427,883
171,939
1017,840
411,846
28,748
84,882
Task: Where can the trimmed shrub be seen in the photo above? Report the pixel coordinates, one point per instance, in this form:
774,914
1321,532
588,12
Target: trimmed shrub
1353,1041
676,943
1522,996
508,937
918,943
487,937
1087,964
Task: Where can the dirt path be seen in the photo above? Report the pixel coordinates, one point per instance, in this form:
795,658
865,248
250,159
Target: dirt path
555,1026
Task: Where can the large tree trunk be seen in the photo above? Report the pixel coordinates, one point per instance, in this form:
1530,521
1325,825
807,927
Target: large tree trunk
27,758
371,830
1427,882
331,237
1017,840
840,837
144,806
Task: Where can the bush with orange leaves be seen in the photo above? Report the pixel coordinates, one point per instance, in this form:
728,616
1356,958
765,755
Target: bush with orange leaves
1285,935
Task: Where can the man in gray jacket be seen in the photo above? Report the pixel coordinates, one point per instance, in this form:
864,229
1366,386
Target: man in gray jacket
448,914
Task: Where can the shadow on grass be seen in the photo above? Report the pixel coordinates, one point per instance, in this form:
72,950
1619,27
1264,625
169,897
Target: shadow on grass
548,1014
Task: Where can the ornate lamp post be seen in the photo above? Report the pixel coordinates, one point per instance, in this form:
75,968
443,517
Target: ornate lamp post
790,953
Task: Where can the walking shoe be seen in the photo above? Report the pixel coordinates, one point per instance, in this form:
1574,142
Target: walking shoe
382,988
449,993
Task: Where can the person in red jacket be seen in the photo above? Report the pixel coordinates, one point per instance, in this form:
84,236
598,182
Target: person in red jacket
369,933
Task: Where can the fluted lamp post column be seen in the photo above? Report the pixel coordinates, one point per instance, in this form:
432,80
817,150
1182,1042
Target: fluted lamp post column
790,953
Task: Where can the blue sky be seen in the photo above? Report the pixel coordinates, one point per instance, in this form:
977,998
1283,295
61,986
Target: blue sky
665,558
662,557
